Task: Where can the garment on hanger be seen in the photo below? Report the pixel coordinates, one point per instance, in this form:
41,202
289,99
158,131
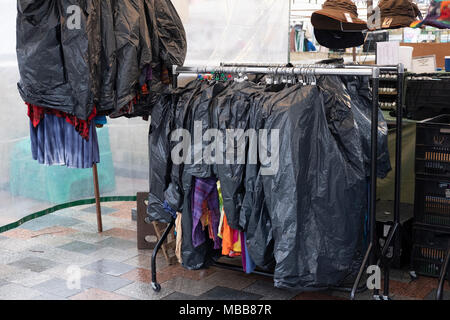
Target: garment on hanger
179,238
166,176
108,67
308,197
61,70
205,210
361,106
230,111
36,114
133,48
247,262
54,141
231,240
151,39
341,123
222,211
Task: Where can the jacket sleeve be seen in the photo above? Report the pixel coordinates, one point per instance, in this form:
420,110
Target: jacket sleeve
32,7
172,36
108,58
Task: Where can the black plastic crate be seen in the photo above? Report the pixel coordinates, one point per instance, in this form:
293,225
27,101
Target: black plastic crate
433,146
429,250
403,257
427,98
432,201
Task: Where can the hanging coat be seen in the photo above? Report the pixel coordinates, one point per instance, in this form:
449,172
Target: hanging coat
315,198
193,257
254,216
361,99
127,26
341,123
232,118
174,194
64,66
171,34
81,50
108,67
166,189
40,56
162,119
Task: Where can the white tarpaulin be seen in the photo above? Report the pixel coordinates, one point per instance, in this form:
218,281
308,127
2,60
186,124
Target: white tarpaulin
238,31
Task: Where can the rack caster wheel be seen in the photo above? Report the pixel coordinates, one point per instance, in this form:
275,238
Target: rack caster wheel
413,275
156,287
381,298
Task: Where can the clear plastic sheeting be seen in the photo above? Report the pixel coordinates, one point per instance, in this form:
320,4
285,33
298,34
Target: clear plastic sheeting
27,187
235,31
217,31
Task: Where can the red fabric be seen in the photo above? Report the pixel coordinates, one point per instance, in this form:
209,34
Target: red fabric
36,114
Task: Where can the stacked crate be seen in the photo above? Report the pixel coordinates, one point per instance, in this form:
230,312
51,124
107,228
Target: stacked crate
431,232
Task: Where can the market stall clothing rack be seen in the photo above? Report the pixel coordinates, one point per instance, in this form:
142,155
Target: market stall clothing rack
373,254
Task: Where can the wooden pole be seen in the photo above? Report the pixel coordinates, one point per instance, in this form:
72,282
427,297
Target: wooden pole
97,198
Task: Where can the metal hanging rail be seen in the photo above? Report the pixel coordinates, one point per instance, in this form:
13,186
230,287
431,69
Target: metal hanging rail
307,70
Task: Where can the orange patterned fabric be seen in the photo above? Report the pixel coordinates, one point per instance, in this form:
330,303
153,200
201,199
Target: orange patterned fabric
231,245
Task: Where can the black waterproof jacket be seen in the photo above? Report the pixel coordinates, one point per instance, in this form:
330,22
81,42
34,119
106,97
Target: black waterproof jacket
64,66
119,47
47,78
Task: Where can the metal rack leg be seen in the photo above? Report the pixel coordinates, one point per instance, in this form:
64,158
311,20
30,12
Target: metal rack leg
155,285
385,262
370,257
374,162
444,270
398,158
386,283
361,271
374,170
398,145
394,235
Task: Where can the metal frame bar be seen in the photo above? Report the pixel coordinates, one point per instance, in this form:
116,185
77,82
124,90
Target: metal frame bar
372,71
371,253
279,70
361,271
444,270
395,229
155,285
